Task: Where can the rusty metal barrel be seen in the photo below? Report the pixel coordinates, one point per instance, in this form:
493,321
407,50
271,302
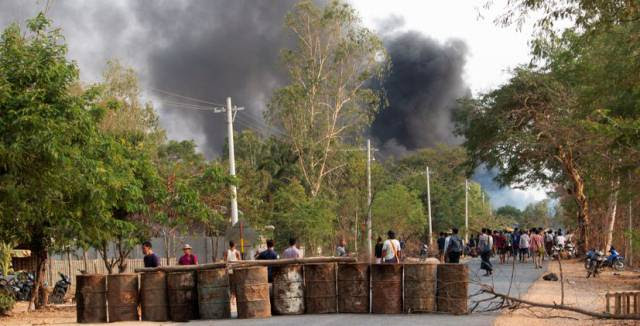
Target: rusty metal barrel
320,294
453,288
288,290
182,296
420,288
386,284
91,299
213,294
153,296
353,288
122,295
252,292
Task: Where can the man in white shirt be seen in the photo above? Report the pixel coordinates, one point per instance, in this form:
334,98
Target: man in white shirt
292,251
391,251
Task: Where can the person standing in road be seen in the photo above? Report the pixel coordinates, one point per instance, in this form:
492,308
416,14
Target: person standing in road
515,246
548,243
232,254
441,246
268,254
341,250
524,246
150,258
188,258
454,247
391,251
379,250
485,245
537,247
292,252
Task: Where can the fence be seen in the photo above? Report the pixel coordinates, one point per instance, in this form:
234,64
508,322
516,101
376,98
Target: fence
93,266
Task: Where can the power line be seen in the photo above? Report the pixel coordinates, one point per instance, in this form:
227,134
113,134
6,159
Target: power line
157,90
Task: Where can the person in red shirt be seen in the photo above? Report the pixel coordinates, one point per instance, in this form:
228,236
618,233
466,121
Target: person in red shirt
188,258
501,244
537,247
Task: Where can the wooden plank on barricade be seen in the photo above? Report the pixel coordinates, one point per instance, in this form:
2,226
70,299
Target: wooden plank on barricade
249,263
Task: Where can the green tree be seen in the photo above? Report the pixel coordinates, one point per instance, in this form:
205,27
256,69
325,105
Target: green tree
51,186
327,101
398,209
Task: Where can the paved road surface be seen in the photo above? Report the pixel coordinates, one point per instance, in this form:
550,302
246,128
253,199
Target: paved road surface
525,275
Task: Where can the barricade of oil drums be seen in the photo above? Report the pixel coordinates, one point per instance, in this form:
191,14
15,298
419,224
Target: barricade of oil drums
182,295
453,288
91,299
321,294
288,290
213,294
420,288
297,288
252,292
122,296
353,287
386,284
153,296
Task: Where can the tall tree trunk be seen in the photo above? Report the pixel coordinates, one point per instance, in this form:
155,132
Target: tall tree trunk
613,207
41,264
580,197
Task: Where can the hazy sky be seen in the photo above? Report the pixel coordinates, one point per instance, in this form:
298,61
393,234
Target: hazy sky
169,42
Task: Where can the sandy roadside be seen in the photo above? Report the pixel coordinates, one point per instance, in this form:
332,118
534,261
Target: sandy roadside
579,292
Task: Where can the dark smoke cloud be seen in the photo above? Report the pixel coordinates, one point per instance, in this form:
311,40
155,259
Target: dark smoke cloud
203,49
425,81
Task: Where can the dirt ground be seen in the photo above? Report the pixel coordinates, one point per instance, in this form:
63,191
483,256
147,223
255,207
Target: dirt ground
58,315
579,292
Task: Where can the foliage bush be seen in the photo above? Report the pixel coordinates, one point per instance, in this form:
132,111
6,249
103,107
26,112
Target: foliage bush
6,303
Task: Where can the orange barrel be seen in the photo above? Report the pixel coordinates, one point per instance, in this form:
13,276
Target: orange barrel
213,294
453,288
353,288
321,295
153,296
122,295
91,299
386,284
252,292
182,296
288,290
420,287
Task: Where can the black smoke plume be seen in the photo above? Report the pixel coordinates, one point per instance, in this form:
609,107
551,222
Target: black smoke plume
203,49
425,81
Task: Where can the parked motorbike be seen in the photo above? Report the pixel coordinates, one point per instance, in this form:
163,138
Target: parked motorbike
23,287
60,289
594,261
570,249
615,260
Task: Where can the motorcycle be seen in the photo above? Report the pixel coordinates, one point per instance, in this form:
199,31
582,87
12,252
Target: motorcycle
594,261
570,249
556,250
615,261
23,286
60,289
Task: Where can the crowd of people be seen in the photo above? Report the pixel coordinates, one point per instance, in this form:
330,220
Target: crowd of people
517,244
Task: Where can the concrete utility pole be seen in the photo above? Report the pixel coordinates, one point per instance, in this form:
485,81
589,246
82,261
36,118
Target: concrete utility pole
466,210
232,162
369,198
429,208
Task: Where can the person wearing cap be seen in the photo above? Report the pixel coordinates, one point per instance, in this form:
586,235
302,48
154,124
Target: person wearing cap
188,258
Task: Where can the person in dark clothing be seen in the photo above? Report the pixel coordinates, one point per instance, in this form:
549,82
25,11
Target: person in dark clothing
150,258
269,254
379,250
454,247
441,240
